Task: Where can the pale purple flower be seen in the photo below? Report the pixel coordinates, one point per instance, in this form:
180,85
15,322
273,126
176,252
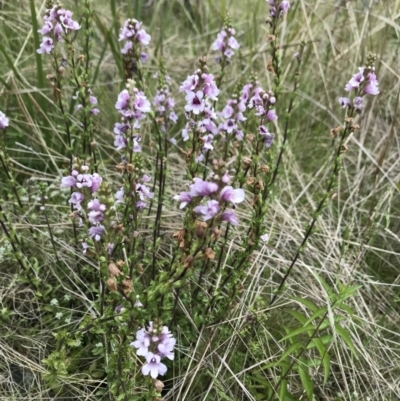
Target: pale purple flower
123,100
143,37
127,47
219,43
184,198
264,237
46,29
166,348
271,115
46,46
230,217
142,342
141,103
68,182
202,188
185,134
173,117
356,80
226,178
190,83
228,194
372,87
95,111
209,210
268,137
233,43
76,199
210,88
358,104
153,366
195,103
144,57
96,232
4,121
119,142
96,182
284,7
119,196
344,102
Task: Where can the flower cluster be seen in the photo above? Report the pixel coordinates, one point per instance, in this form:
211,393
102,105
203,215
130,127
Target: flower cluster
92,101
142,192
80,181
218,195
200,89
56,21
133,105
262,102
364,82
164,104
226,43
135,36
278,9
154,344
232,116
4,121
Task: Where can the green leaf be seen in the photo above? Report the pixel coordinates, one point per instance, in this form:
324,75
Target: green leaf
297,331
306,379
297,315
326,360
290,350
307,303
346,338
316,314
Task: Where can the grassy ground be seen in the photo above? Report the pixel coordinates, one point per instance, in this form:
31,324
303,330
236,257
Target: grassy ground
357,241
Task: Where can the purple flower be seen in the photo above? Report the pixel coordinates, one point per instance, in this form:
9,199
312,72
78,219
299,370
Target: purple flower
284,7
119,142
358,104
264,237
226,178
166,347
96,232
123,100
268,137
210,88
344,102
119,196
219,43
96,182
68,182
356,80
142,342
97,209
183,197
153,366
46,46
372,87
230,217
143,37
202,188
233,43
190,83
127,47
76,199
228,194
47,28
208,211
195,103
271,115
3,121
144,57
141,103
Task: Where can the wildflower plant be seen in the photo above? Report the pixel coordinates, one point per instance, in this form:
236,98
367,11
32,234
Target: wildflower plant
190,170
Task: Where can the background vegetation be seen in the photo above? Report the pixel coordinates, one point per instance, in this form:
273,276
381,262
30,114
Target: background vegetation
345,284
